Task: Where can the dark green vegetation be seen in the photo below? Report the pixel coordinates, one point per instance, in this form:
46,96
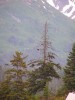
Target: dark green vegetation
21,25
22,84
41,75
69,79
69,74
14,87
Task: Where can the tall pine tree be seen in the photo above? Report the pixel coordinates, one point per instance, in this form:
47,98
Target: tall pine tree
69,79
44,68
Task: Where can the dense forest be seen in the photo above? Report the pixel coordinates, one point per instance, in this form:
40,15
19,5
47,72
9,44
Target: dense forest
24,80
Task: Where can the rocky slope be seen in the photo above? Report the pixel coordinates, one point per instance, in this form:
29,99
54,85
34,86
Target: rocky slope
67,7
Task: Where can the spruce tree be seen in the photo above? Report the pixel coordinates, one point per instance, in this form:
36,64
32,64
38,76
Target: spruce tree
69,79
15,84
44,69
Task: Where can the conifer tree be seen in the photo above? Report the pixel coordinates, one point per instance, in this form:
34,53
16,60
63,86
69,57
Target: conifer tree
45,70
14,86
69,79
1,73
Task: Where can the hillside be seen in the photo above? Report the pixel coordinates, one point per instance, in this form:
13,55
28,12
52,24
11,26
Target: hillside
21,20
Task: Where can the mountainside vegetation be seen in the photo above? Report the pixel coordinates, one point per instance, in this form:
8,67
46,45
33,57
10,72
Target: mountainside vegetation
69,78
20,21
21,26
14,86
20,83
44,68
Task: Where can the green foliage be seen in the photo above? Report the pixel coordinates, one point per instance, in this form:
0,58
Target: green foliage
4,90
44,69
58,98
62,91
15,86
18,60
46,91
35,97
69,79
41,75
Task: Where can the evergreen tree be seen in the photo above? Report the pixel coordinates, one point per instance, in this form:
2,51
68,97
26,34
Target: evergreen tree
44,68
4,90
69,79
46,92
14,86
1,73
